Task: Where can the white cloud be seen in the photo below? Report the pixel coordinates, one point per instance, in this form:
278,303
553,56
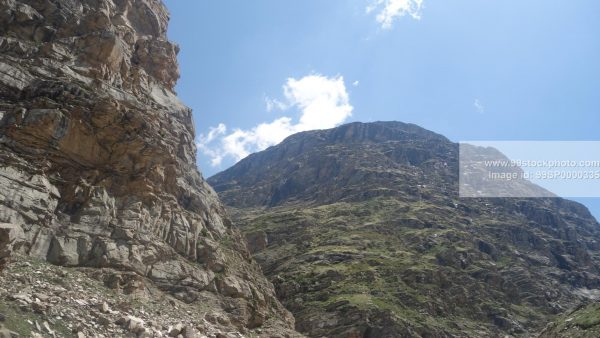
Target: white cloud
390,10
479,106
355,83
322,102
204,140
274,104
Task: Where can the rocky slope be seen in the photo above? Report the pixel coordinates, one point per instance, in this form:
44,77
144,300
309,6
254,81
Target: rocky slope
362,232
582,322
97,168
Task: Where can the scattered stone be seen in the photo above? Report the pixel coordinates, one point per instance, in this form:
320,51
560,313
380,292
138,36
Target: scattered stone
104,307
174,331
134,324
41,296
47,328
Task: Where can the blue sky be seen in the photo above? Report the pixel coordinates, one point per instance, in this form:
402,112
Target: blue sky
254,71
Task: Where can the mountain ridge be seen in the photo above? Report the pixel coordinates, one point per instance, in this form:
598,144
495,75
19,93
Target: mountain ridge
370,239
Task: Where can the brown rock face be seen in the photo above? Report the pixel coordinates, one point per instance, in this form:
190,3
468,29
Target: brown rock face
97,160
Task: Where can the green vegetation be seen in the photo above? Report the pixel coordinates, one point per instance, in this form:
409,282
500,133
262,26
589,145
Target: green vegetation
366,233
581,323
22,322
378,255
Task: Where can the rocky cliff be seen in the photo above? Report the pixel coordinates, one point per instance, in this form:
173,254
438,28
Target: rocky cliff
98,173
362,232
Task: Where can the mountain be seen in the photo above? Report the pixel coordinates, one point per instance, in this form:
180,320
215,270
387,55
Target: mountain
363,234
106,226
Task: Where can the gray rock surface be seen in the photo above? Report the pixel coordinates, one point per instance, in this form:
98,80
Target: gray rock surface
97,159
11,238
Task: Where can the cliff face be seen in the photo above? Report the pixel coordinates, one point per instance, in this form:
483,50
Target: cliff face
97,160
362,232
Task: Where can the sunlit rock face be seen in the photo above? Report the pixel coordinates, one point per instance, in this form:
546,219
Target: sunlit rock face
97,160
363,233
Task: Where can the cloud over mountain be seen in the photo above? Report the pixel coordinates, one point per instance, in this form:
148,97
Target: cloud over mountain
320,102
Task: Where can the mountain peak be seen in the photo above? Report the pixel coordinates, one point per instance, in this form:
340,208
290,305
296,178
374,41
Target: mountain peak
322,164
362,225
379,131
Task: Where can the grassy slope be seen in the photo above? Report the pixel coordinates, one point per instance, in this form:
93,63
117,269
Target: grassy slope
581,323
385,254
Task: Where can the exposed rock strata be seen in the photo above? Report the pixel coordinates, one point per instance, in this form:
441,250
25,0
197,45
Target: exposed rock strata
97,160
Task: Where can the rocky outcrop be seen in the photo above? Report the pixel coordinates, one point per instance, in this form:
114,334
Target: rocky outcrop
367,237
39,299
97,160
11,238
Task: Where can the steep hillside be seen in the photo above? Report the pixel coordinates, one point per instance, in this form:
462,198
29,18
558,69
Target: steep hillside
582,322
362,232
98,175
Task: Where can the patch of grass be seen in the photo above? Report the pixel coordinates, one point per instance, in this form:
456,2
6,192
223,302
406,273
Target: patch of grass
18,321
588,317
